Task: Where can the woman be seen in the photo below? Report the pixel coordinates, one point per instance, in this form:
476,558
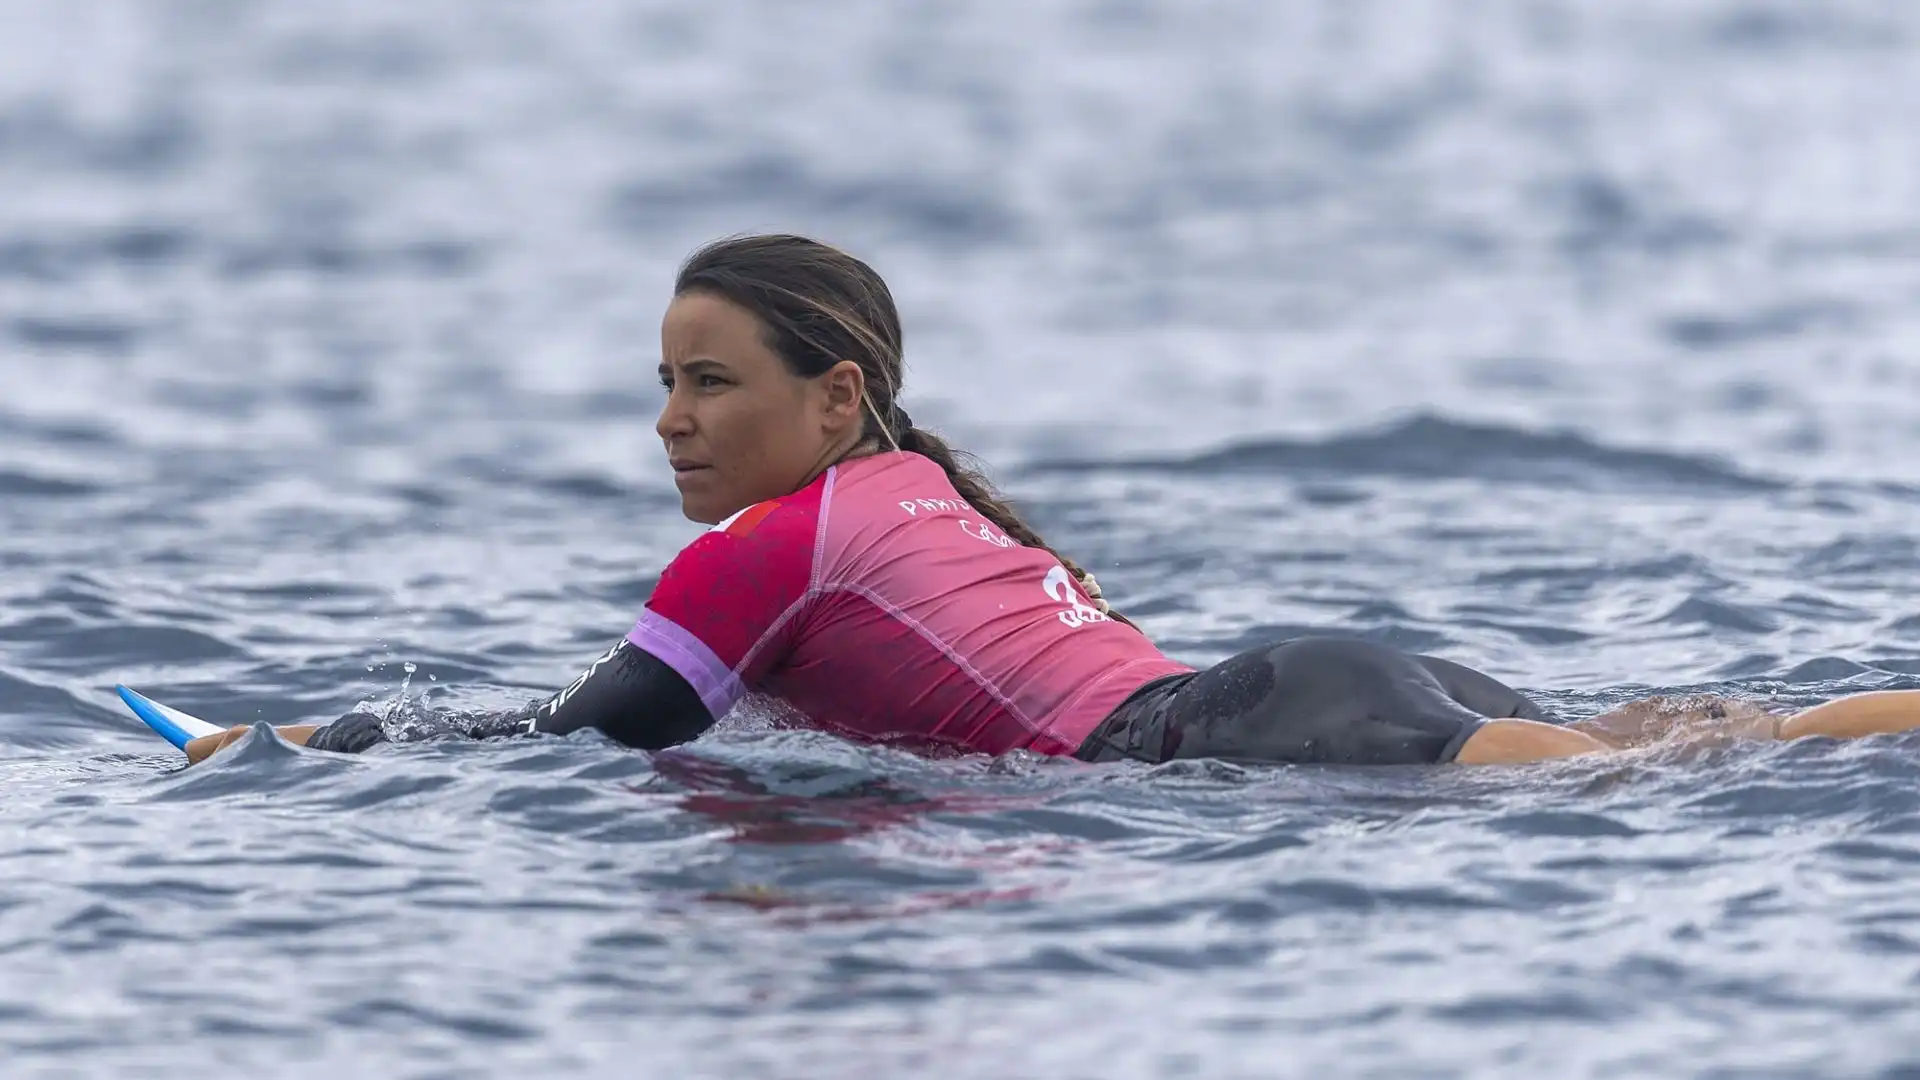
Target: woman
857,569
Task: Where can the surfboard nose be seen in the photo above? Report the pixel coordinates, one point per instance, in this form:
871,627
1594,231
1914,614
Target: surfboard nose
175,726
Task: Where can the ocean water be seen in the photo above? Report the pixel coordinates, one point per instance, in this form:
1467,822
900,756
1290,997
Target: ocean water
1576,342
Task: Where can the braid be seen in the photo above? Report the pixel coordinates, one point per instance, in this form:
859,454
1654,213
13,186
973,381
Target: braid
974,488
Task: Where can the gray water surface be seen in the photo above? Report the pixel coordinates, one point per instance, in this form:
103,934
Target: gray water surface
1572,341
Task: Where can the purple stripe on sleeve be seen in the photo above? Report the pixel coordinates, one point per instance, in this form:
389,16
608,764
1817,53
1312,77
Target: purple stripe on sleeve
667,640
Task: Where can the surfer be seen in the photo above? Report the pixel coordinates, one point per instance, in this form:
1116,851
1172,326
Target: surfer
860,570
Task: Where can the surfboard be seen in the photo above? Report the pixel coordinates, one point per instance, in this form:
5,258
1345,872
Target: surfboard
176,727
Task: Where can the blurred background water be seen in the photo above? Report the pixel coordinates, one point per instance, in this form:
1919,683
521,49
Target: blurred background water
1572,341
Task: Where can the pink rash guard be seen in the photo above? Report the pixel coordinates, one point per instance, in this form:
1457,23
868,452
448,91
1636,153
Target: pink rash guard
879,603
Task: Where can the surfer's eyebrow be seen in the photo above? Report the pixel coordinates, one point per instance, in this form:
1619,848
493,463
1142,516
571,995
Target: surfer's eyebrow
701,366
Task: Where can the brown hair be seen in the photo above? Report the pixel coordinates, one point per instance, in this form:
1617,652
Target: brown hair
820,306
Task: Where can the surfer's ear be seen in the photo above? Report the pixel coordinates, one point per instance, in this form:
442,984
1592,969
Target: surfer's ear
843,387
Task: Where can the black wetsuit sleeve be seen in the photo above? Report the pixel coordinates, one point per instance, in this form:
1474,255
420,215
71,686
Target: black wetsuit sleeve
631,695
628,693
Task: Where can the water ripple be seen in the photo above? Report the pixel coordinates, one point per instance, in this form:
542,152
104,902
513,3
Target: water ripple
1560,340
1427,446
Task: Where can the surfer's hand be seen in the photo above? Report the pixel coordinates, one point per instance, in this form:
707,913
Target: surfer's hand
350,734
206,746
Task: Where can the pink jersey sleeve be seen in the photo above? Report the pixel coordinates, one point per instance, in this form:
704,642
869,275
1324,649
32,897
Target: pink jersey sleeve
725,610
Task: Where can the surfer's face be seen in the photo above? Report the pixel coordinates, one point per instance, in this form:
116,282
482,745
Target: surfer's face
739,426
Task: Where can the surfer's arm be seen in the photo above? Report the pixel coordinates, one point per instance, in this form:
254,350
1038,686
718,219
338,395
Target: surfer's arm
629,694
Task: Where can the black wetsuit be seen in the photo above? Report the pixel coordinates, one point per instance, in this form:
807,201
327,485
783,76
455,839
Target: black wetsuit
1309,700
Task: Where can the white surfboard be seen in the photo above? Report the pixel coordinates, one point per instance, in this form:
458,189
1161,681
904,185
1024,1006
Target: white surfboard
173,725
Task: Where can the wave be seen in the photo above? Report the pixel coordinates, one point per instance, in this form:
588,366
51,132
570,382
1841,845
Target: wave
14,482
1425,445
